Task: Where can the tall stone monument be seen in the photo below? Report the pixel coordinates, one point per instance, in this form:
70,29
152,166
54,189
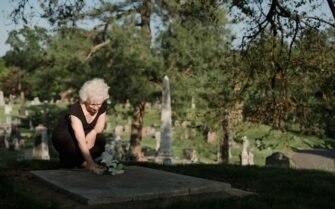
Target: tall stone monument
165,153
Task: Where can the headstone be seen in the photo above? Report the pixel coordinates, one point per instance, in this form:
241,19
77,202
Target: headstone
36,101
127,105
147,106
145,131
190,156
278,159
11,99
15,137
41,148
149,152
109,127
186,133
176,123
184,124
118,132
2,138
31,126
2,99
8,109
126,128
211,137
165,154
193,133
157,105
158,139
246,157
8,120
15,144
22,110
193,103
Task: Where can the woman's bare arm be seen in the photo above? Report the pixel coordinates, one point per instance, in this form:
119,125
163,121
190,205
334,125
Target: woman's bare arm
99,127
79,133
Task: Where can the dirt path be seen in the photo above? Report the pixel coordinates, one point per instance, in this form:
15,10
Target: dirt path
315,159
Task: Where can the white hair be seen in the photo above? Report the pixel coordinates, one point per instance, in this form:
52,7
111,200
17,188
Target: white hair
95,90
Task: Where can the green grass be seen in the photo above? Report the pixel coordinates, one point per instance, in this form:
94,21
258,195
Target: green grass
274,187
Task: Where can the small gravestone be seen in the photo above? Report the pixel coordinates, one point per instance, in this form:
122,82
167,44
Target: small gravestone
126,128
176,123
15,144
278,159
15,138
8,109
193,103
127,105
145,131
41,148
190,156
148,106
2,138
31,126
186,134
109,127
36,101
2,99
149,152
246,157
211,137
118,130
158,139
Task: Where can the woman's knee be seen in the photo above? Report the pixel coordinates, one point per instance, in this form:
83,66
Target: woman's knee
100,139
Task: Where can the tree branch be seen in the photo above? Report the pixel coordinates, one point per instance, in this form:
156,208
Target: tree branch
97,47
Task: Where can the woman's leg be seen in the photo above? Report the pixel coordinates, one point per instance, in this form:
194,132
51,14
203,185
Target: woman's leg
99,146
69,152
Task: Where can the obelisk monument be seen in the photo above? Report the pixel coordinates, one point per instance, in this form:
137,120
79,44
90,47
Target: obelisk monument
165,153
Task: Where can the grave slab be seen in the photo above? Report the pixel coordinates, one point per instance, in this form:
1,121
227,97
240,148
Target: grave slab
136,184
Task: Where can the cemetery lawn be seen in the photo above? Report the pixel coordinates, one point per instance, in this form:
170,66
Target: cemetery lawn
274,187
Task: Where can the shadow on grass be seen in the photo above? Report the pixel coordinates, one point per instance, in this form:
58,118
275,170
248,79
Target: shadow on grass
275,187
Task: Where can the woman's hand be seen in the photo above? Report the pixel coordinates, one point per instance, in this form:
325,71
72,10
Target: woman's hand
98,169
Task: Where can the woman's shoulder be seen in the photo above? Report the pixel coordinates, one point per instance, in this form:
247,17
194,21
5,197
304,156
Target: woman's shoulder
103,107
74,109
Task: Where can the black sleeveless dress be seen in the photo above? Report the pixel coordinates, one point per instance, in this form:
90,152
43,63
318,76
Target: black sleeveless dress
65,142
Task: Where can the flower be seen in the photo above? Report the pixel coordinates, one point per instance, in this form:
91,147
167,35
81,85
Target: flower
108,159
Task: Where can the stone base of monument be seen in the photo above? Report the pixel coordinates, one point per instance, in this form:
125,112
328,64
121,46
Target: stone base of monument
136,184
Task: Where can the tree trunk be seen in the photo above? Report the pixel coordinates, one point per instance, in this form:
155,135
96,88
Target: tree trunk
223,157
135,152
331,7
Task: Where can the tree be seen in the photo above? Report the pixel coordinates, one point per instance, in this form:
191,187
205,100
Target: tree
4,71
133,72
199,62
274,28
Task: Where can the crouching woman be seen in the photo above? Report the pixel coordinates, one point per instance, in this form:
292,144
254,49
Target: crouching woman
78,136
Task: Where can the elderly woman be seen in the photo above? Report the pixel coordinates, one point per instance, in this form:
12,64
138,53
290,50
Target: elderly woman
78,136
